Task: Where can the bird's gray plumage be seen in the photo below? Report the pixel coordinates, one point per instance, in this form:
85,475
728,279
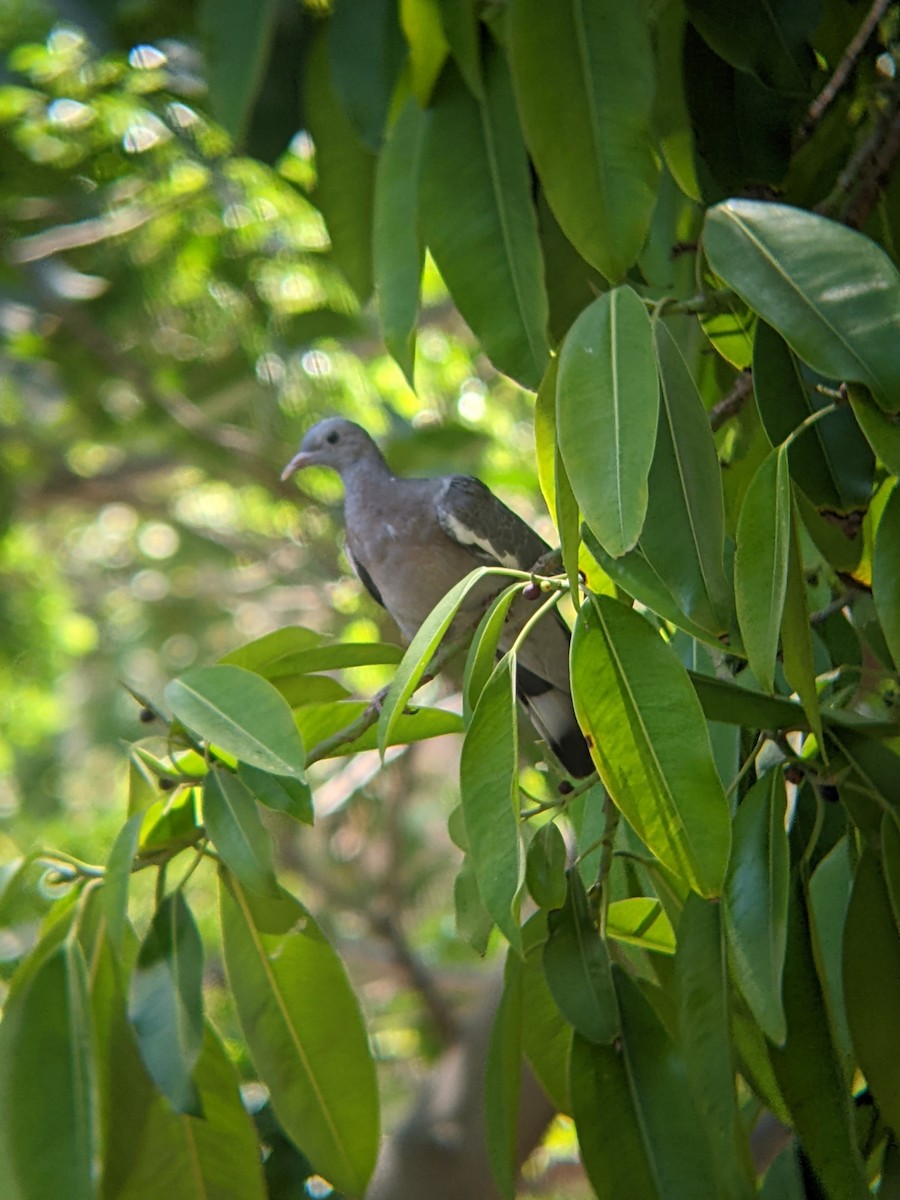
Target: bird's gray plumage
411,540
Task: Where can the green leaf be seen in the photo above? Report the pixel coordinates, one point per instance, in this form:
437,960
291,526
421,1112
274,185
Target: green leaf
155,1152
503,1081
671,120
166,1003
701,991
886,574
482,656
545,867
241,713
420,652
881,431
397,248
263,653
653,754
488,782
366,49
279,792
612,1150
832,294
461,27
545,435
478,219
237,41
49,1138
301,690
546,1035
428,47
761,563
641,921
304,1032
474,924
872,985
684,532
796,643
235,829
771,41
730,332
586,67
607,406
345,168
568,522
829,897
890,849
808,1070
117,879
756,902
831,461
576,963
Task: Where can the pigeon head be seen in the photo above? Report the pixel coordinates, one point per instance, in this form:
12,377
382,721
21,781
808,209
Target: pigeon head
334,443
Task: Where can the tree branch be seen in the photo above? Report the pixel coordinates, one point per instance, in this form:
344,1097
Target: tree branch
732,403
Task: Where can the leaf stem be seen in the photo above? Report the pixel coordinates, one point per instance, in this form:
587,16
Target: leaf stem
809,422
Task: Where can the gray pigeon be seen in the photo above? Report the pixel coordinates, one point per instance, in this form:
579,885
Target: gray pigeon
411,540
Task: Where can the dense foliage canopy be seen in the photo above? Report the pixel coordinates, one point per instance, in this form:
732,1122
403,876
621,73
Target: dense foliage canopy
668,235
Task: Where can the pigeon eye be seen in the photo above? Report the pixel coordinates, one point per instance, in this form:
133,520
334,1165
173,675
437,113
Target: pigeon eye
332,437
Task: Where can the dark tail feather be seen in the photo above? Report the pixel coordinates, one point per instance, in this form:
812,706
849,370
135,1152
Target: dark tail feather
553,716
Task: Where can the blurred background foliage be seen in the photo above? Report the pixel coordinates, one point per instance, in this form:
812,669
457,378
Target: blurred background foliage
172,322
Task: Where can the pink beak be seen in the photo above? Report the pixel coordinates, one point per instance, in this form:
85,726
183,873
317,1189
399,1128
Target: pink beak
297,463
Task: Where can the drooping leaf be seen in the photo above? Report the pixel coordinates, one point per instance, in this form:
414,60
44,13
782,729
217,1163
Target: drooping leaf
460,21
233,824
166,1003
771,41
808,1070
576,963
474,924
671,120
586,67
279,792
488,782
502,1081
365,51
545,867
649,740
118,877
236,39
756,901
49,1140
397,249
241,713
264,653
832,294
304,1032
546,1035
872,985
761,563
345,167
641,921
482,656
886,574
607,407
797,651
829,898
684,531
882,433
701,991
478,219
428,47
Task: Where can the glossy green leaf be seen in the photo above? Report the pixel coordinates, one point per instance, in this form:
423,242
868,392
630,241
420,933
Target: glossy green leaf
796,642
881,431
233,824
752,1052
503,1081
482,656
609,1132
264,653
831,461
345,168
886,574
49,1139
166,1003
420,652
683,535
872,985
478,219
170,823
332,656
576,963
397,248
236,40
730,333
546,1035
301,690
241,713
761,563
545,867
117,879
155,1152
808,1071
365,52
586,67
650,742
428,47
829,897
545,434
607,408
701,991
461,27
488,784
771,41
416,725
756,902
304,1032
671,120
474,924
641,921
279,792
832,294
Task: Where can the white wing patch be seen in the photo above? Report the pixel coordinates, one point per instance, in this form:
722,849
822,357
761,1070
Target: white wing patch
460,532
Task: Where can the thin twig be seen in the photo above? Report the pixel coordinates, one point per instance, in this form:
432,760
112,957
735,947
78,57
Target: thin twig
842,73
731,404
